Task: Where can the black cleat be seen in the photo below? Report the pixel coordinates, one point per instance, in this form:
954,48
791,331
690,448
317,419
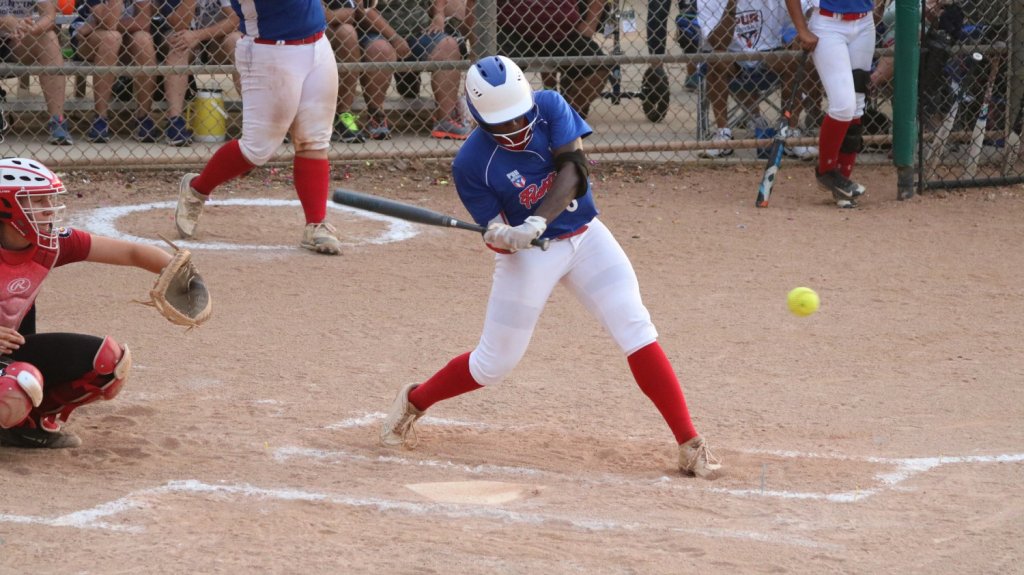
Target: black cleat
34,438
844,191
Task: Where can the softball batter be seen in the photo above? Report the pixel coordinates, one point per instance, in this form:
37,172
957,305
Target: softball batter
289,79
524,175
841,38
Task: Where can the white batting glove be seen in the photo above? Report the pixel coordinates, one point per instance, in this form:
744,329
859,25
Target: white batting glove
506,237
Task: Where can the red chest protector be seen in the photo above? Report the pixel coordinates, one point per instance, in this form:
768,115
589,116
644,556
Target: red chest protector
21,276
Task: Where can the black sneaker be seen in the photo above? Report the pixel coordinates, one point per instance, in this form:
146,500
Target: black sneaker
346,129
843,191
34,438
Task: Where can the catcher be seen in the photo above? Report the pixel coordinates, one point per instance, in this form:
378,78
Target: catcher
46,376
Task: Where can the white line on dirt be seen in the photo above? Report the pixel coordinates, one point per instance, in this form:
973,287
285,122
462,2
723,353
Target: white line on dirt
103,221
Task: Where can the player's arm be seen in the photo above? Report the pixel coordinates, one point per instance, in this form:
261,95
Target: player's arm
112,251
181,17
807,39
570,181
721,37
436,17
47,17
879,10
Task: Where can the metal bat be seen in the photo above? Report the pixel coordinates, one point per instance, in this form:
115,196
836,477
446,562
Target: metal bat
981,124
411,213
764,190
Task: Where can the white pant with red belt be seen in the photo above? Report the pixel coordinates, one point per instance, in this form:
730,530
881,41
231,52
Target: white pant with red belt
286,87
843,46
592,266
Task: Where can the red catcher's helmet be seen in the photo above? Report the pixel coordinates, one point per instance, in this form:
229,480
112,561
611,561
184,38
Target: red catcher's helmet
30,200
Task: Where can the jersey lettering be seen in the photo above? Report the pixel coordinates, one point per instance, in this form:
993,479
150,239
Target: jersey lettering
748,27
533,194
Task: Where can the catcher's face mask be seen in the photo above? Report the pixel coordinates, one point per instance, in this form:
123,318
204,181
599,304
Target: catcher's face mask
31,200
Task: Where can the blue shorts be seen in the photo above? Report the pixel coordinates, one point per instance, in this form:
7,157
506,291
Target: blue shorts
421,47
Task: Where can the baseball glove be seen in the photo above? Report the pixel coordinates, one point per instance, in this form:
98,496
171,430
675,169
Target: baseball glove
179,293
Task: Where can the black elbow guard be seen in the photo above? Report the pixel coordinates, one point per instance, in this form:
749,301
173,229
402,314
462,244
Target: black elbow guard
580,160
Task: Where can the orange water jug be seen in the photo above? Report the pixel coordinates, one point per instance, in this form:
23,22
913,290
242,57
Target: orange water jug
66,7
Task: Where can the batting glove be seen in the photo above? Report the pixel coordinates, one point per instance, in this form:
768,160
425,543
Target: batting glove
506,237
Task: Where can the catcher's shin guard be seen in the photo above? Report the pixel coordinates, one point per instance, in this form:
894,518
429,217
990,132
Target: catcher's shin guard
110,369
21,388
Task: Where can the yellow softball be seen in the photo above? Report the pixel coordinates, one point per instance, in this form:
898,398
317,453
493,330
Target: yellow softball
803,301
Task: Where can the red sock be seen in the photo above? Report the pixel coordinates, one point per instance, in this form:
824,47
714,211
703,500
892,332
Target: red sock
312,182
453,379
847,159
830,138
227,163
654,375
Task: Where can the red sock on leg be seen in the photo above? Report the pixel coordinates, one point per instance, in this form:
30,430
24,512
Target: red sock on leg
227,163
653,373
848,159
453,379
830,139
312,183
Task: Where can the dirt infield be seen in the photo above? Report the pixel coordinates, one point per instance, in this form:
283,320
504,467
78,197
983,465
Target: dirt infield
881,435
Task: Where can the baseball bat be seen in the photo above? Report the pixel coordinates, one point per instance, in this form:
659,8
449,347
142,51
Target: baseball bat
981,124
411,213
764,190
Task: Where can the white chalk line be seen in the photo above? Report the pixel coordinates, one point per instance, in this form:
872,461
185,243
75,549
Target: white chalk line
905,468
103,221
138,500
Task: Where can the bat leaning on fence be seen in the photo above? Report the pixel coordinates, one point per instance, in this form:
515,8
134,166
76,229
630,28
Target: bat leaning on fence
771,171
410,213
981,124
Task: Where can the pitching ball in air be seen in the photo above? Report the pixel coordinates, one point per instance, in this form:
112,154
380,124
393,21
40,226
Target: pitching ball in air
803,301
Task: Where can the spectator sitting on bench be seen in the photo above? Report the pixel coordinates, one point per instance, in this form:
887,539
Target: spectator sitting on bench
359,34
747,26
100,32
419,32
210,26
528,29
31,37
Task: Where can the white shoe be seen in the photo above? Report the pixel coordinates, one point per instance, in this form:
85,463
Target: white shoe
397,428
190,207
722,135
696,459
321,238
797,151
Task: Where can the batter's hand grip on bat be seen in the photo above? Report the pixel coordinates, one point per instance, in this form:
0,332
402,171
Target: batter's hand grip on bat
410,213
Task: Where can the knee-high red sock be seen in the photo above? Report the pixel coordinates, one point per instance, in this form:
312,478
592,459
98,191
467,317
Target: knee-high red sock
654,375
227,163
848,159
830,138
312,181
453,379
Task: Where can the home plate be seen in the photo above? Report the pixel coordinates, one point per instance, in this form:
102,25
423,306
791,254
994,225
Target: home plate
474,492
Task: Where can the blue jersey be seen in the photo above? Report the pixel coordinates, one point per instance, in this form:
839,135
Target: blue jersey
280,19
492,180
847,6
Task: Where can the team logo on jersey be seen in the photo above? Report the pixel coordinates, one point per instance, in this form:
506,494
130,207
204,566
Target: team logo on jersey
64,232
748,27
516,178
19,285
534,194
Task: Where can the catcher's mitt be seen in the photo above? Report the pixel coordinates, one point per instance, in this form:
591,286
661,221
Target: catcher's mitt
179,292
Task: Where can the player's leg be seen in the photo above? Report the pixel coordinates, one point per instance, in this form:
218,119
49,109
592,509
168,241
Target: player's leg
142,51
175,86
77,370
271,87
861,51
345,40
376,84
604,281
522,285
311,136
832,60
100,47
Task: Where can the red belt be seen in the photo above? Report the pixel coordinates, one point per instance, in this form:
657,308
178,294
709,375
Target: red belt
306,40
844,16
575,232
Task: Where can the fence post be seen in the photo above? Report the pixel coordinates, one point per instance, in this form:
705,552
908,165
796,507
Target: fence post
1016,47
485,28
904,114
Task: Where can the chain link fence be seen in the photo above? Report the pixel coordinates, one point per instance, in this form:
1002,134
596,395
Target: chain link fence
970,94
659,80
